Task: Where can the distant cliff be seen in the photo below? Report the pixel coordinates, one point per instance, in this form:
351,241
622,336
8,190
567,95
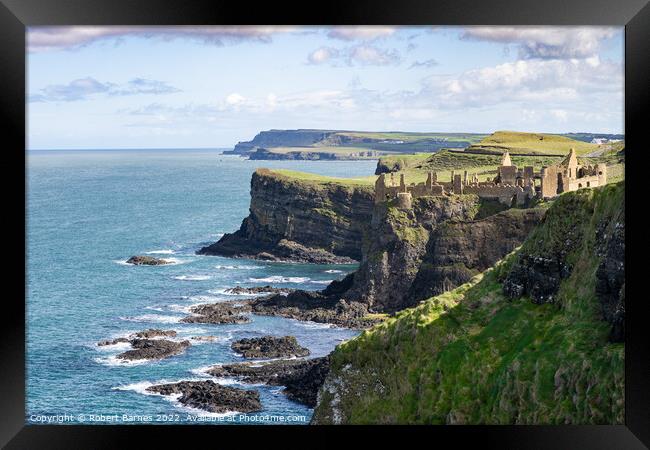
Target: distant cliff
300,220
281,138
532,341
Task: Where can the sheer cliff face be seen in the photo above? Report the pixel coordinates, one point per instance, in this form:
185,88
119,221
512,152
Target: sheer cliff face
413,254
395,245
457,251
300,221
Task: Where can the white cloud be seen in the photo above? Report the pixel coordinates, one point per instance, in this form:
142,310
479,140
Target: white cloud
364,33
551,81
322,55
359,55
547,41
83,88
371,55
64,37
427,64
235,99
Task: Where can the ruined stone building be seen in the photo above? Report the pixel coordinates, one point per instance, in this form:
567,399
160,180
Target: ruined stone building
512,186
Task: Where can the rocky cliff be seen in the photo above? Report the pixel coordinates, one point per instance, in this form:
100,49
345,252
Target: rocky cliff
300,221
281,138
531,341
434,247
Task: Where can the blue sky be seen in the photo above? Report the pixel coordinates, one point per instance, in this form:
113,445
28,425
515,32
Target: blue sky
189,87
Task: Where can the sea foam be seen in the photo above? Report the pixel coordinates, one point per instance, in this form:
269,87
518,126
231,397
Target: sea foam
280,279
192,277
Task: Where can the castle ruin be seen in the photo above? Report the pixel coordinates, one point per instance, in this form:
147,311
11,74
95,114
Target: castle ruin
512,186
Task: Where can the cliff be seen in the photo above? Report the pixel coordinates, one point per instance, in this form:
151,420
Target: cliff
531,341
281,138
300,220
437,245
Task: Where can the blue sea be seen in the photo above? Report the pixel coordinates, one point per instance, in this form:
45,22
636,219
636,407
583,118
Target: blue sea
89,211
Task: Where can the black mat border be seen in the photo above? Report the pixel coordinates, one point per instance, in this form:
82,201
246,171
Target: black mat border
15,15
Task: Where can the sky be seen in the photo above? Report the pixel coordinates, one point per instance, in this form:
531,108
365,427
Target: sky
212,86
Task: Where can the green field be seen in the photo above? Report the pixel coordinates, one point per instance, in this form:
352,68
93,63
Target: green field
517,142
321,179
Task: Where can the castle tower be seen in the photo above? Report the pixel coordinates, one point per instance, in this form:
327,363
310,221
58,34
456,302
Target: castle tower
570,164
458,185
505,159
507,172
380,188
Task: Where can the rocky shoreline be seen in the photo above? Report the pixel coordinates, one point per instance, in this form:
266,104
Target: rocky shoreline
269,347
210,396
301,378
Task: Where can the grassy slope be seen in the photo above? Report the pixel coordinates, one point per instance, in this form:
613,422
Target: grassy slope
517,142
316,179
472,356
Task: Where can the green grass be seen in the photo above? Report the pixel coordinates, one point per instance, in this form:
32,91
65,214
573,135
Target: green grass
321,179
517,142
473,356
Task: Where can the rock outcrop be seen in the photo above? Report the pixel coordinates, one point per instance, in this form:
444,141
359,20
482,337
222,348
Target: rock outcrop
316,307
299,221
210,396
257,290
301,378
154,332
218,313
153,349
140,260
269,347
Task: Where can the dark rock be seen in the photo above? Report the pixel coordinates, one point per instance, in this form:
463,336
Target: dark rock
153,349
112,341
154,332
537,276
218,313
301,378
146,261
610,275
210,396
459,250
239,290
269,347
315,307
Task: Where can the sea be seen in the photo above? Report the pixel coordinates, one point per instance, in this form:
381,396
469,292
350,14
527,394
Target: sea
87,212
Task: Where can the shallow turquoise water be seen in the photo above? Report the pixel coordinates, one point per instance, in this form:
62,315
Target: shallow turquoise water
87,212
